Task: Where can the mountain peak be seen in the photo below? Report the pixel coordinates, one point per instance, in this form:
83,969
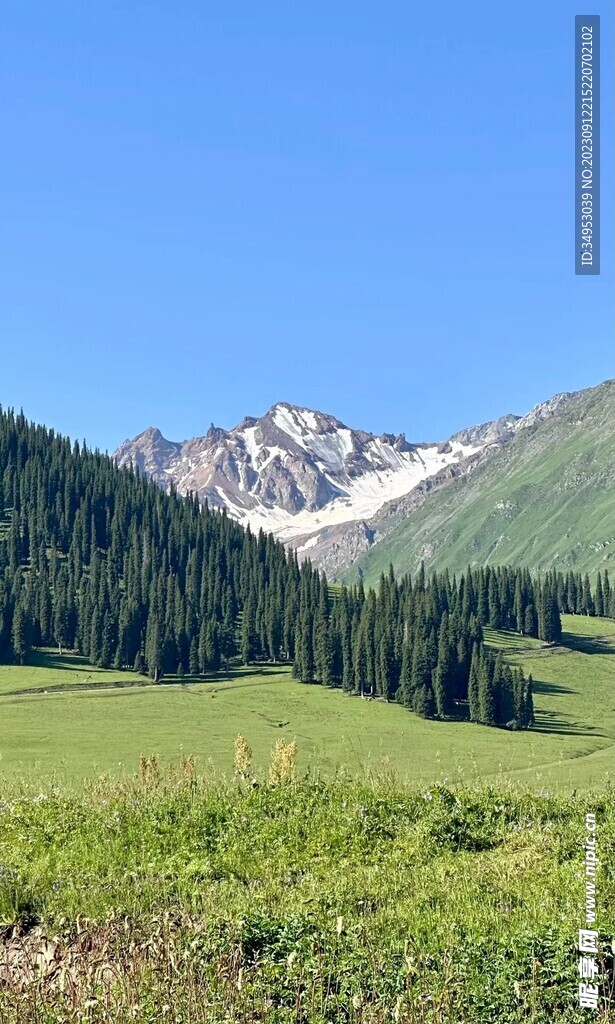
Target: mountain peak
151,434
306,477
294,469
290,407
215,433
299,412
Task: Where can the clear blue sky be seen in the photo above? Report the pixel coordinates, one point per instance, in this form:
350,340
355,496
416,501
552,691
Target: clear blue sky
365,208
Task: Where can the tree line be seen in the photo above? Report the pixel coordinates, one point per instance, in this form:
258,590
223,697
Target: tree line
420,642
100,560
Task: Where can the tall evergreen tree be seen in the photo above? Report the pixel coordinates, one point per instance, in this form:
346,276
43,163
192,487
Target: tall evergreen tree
473,686
486,691
21,632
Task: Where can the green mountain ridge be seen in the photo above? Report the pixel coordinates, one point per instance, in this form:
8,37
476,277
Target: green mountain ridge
546,499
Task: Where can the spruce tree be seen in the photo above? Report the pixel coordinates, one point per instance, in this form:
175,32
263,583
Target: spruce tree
495,609
530,627
519,605
20,634
599,598
609,609
404,693
153,646
482,611
323,646
359,658
473,686
306,653
529,703
486,692
387,667
421,670
60,623
587,603
443,674
193,664
423,702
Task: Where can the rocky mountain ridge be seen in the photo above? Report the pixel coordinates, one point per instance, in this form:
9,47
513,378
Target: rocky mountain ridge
328,490
543,499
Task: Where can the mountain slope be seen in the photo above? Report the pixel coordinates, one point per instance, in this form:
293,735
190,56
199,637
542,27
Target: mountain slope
545,498
296,472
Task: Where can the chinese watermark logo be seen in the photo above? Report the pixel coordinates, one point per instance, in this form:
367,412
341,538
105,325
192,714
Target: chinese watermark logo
588,937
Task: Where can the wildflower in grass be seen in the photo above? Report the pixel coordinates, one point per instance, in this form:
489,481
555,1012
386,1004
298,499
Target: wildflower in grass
149,770
188,768
283,762
243,757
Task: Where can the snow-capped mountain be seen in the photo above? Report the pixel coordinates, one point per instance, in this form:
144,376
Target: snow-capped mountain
296,472
329,491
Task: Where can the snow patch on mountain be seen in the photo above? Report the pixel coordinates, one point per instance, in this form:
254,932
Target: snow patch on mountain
295,471
362,497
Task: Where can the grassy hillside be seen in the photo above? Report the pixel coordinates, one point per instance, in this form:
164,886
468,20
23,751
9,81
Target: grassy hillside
545,500
80,727
168,898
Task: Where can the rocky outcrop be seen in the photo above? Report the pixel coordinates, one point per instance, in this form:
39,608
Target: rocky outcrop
328,490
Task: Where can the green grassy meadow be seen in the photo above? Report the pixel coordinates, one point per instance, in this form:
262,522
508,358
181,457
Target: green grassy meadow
399,870
170,897
48,670
92,721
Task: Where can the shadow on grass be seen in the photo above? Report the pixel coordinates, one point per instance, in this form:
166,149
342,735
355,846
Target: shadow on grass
263,672
144,682
586,644
52,659
540,687
555,723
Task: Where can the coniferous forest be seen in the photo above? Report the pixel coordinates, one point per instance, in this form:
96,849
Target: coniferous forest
99,560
